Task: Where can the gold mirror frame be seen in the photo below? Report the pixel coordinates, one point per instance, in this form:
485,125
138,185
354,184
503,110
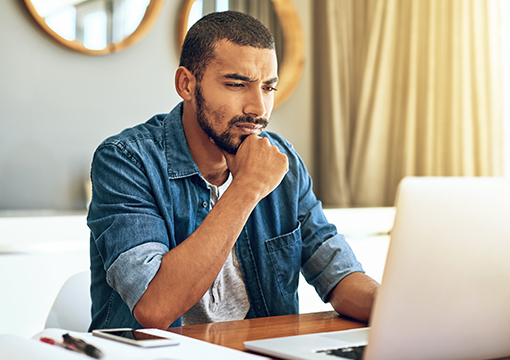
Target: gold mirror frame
291,69
149,18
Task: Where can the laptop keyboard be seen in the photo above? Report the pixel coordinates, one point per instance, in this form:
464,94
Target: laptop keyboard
355,352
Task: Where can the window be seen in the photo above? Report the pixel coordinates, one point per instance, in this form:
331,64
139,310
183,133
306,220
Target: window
63,22
95,30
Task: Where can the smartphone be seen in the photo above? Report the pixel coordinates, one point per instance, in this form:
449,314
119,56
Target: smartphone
135,337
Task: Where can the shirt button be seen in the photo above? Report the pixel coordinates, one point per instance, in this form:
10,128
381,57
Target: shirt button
204,204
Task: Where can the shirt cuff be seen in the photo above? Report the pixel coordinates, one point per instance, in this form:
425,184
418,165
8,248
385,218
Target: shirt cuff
330,263
134,269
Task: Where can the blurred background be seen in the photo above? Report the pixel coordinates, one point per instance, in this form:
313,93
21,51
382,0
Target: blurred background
378,89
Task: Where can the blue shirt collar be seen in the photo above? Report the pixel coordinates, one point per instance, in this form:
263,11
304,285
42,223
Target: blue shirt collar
178,156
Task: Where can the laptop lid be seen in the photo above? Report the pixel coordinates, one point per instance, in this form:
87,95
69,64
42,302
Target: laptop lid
445,291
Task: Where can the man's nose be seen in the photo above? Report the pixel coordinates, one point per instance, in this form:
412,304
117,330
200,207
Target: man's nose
256,105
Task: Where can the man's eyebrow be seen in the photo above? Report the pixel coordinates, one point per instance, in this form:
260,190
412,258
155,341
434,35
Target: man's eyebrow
240,77
236,76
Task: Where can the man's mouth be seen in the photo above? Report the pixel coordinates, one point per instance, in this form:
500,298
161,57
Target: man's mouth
249,128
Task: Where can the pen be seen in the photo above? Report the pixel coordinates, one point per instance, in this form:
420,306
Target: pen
82,346
50,341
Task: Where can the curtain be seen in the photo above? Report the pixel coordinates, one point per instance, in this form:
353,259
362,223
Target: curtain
404,87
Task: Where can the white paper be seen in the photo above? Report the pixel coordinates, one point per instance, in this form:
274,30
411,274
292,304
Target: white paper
14,347
19,348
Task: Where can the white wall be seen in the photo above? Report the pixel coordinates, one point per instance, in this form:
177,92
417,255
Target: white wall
56,105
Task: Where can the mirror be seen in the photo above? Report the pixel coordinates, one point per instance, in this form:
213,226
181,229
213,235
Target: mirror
281,18
95,27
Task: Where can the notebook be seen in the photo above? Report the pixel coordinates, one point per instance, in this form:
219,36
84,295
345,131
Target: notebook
445,292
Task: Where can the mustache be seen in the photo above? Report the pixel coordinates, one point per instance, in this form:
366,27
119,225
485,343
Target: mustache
250,120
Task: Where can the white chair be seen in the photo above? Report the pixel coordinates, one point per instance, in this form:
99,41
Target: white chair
71,309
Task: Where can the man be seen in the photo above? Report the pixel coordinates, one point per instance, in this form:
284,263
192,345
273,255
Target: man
200,215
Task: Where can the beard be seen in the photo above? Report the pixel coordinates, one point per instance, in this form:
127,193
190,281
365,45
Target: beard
226,140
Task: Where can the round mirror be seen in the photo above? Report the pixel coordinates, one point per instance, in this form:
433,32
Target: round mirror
95,27
279,16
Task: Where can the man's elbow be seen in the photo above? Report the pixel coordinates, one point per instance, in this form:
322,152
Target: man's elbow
151,316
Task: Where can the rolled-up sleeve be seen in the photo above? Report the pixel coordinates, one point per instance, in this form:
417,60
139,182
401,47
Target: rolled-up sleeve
329,264
125,276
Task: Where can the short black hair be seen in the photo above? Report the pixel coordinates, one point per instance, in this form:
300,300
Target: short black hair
237,27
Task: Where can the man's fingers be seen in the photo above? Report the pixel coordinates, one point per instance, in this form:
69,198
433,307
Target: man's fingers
231,157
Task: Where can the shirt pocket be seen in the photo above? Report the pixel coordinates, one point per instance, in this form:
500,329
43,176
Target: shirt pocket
285,254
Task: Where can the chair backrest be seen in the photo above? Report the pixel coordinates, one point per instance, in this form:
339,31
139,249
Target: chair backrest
71,309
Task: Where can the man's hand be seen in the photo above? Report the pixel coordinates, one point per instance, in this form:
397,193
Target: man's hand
258,165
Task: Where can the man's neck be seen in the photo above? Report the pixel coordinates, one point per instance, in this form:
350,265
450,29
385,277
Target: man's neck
205,153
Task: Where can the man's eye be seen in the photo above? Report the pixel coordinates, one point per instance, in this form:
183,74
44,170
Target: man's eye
236,85
270,88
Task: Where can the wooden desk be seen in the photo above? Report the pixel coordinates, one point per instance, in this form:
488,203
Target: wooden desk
233,334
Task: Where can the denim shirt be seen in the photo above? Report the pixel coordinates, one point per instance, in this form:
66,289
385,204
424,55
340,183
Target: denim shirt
149,196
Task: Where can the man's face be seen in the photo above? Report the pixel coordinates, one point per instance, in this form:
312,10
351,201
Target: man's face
236,95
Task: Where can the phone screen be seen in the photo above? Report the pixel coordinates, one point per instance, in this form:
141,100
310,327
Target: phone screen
136,335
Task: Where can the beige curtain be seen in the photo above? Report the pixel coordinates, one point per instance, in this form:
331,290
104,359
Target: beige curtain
404,87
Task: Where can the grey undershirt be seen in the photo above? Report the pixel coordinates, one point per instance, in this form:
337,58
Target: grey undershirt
226,299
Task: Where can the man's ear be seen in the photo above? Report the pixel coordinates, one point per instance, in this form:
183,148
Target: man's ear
185,83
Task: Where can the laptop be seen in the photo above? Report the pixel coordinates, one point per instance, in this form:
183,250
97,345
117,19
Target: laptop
445,292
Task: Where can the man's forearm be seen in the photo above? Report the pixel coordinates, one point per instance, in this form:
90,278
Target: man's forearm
187,271
354,296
